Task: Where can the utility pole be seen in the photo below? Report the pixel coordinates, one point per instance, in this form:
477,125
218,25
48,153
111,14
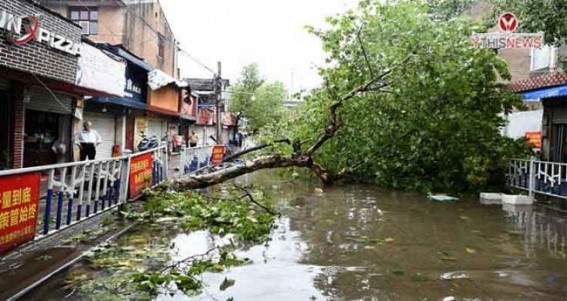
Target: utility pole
218,89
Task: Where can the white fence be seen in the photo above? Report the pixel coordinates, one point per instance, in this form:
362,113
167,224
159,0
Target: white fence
72,192
543,177
195,158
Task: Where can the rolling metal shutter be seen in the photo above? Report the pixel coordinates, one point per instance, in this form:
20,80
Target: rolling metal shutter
43,100
156,128
104,124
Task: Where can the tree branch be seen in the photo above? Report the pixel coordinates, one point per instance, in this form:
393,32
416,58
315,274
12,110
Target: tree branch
247,194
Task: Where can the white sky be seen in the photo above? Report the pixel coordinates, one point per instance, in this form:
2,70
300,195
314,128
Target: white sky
238,32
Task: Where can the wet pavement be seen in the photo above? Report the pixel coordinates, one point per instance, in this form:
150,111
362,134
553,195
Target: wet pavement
365,243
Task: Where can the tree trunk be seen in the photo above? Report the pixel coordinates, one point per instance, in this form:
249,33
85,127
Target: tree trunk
264,162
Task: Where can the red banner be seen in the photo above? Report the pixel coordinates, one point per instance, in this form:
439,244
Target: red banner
140,174
218,154
18,209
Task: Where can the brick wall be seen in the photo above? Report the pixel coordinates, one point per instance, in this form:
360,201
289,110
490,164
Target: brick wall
36,57
18,125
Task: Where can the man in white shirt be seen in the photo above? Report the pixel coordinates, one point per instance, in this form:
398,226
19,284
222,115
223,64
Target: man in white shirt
87,140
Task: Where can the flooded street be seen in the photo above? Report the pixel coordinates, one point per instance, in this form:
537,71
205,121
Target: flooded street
357,242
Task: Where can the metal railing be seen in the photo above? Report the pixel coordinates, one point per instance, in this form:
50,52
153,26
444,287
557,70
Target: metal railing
194,158
543,177
72,192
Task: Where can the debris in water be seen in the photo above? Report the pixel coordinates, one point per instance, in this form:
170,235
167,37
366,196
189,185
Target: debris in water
470,250
226,284
442,197
318,191
445,256
454,275
449,298
502,274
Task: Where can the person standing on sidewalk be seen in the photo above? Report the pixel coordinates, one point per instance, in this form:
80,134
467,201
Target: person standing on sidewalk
88,139
193,140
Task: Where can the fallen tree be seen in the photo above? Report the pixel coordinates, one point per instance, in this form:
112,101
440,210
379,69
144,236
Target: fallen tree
298,158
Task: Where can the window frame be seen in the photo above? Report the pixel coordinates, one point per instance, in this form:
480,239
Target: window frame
81,20
161,46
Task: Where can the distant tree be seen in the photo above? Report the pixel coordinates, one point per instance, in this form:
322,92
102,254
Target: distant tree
444,10
261,103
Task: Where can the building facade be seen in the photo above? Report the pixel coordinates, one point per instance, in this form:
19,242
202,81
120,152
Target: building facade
140,26
39,52
138,32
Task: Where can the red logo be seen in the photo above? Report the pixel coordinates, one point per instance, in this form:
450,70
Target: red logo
31,26
507,22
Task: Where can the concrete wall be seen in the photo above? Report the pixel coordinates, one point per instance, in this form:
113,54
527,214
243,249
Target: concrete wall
136,26
143,24
521,122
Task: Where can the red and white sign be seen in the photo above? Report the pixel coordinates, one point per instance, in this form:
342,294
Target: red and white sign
506,38
140,174
218,154
12,24
534,138
19,199
507,22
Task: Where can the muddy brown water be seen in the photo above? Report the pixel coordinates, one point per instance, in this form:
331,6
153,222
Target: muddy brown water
357,242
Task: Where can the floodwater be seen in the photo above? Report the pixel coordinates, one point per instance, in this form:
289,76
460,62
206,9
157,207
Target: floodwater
365,243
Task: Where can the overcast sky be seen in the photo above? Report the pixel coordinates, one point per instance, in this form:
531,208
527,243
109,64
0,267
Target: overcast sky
238,32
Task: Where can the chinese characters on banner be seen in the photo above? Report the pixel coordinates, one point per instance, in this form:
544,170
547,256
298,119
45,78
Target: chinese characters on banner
140,174
19,199
218,154
534,138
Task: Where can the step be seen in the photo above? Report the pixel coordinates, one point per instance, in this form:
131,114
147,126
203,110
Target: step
490,198
517,199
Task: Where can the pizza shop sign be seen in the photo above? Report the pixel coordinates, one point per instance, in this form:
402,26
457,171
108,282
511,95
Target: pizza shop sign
31,30
507,37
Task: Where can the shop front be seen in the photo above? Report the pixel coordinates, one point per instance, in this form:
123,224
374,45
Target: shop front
551,90
121,118
188,104
48,127
38,64
164,106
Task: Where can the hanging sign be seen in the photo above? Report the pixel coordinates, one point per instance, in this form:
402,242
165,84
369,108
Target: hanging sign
218,154
140,174
32,30
507,38
19,198
534,138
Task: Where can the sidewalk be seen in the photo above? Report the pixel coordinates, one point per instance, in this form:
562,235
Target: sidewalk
22,268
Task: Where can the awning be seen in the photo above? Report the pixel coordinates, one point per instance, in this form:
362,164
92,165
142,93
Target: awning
158,79
119,101
134,59
536,95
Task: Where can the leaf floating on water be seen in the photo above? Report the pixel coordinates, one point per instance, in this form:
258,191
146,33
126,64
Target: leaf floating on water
470,250
418,277
445,256
226,284
388,239
464,217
